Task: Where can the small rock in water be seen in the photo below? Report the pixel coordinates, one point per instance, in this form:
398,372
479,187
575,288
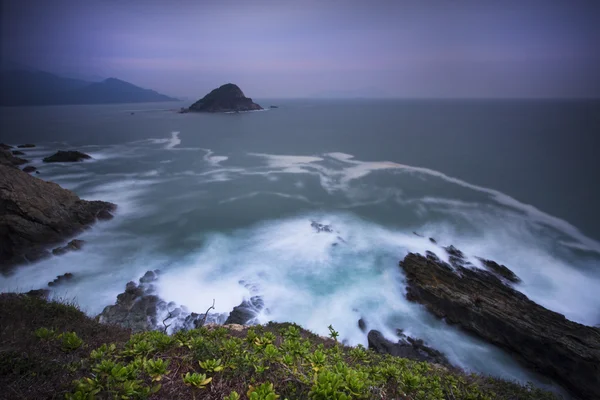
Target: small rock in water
29,169
26,146
432,240
320,227
362,325
67,156
17,153
73,245
60,279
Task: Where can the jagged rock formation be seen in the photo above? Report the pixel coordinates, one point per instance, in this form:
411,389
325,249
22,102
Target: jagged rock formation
67,156
228,97
406,347
140,309
35,214
480,302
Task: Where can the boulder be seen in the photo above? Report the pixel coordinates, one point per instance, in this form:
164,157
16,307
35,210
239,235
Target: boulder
26,146
35,215
226,98
29,169
406,347
481,303
67,156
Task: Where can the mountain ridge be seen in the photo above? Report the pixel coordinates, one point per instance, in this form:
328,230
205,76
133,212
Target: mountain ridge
37,88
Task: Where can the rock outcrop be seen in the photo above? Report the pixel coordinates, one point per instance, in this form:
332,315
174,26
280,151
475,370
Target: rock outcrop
67,156
406,347
228,97
29,169
9,159
5,146
483,304
35,215
139,308
73,245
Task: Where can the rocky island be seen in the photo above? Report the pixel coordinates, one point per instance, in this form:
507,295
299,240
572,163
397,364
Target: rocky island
226,98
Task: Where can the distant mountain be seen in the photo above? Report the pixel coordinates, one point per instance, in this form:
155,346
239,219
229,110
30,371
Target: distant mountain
33,88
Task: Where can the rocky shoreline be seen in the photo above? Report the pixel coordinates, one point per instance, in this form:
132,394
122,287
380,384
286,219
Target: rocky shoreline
36,215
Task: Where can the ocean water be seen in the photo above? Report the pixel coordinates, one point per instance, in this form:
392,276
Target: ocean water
222,204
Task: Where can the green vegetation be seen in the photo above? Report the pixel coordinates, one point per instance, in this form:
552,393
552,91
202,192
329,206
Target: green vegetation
274,361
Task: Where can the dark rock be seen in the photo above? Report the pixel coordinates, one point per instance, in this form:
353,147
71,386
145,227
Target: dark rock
321,228
17,153
432,240
9,160
104,215
480,303
406,347
228,97
500,270
140,309
246,311
61,279
29,169
73,245
273,107
457,258
37,172
432,256
67,156
417,234
362,325
26,146
35,215
5,146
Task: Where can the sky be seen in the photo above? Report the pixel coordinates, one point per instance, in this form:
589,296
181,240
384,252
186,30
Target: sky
328,48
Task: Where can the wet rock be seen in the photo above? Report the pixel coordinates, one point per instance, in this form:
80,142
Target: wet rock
26,146
104,215
4,146
362,325
36,215
500,270
67,156
457,258
9,160
17,153
417,234
29,169
432,240
482,304
246,311
406,347
61,279
73,245
321,228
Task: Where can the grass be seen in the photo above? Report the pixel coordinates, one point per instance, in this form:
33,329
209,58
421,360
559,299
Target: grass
52,350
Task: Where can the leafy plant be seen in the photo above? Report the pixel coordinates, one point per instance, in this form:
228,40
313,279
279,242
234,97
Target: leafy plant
156,368
211,365
333,333
232,396
196,380
70,341
103,351
263,392
44,333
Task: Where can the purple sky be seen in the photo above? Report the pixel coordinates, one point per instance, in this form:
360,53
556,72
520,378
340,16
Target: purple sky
394,48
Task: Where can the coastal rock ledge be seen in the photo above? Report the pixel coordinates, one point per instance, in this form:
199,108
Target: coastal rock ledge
226,98
36,215
481,303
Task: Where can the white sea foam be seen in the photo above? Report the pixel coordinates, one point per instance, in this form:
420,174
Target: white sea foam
171,142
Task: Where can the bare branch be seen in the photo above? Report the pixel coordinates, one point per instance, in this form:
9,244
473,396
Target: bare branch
206,313
164,320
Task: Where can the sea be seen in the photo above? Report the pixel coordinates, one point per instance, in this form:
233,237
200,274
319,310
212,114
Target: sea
222,205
